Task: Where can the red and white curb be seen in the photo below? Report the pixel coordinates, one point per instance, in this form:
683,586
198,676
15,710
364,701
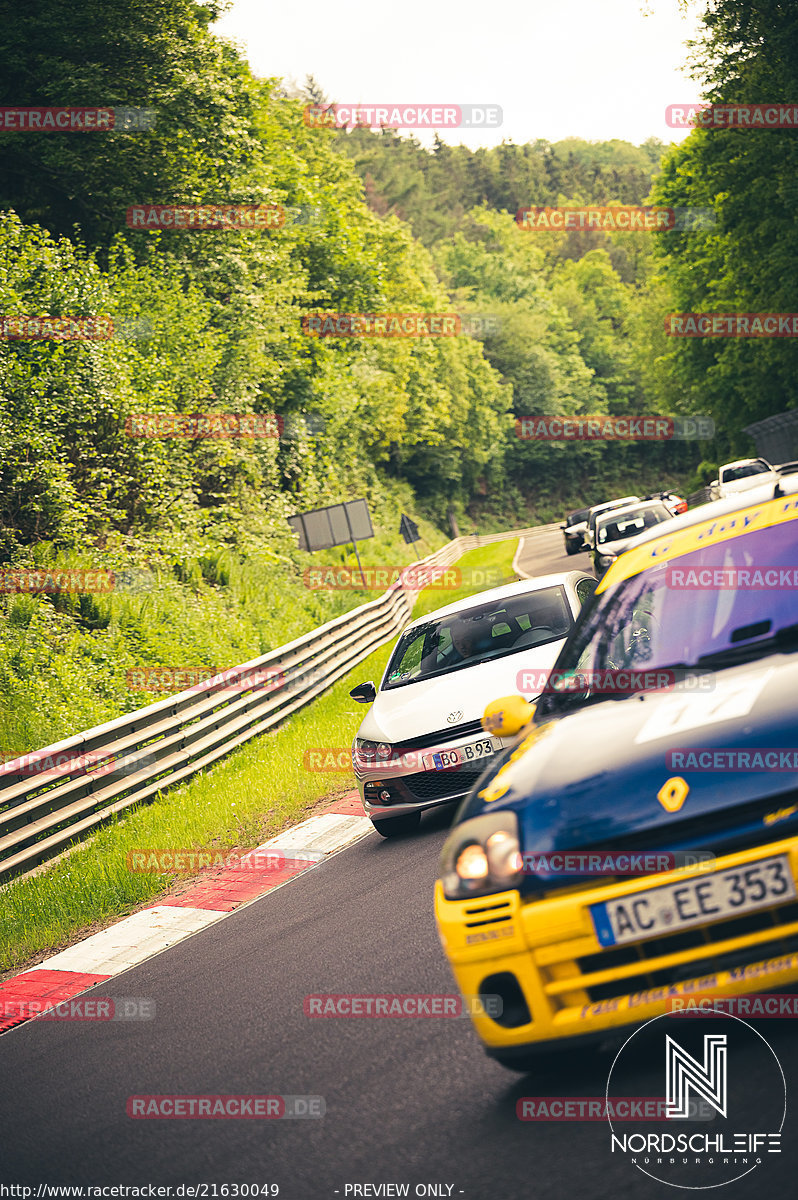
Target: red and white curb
213,896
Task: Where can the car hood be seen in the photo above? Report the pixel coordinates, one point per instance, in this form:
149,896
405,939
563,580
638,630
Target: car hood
615,548
421,708
594,777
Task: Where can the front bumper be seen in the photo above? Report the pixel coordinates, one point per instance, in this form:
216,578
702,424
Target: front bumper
544,957
404,800
414,790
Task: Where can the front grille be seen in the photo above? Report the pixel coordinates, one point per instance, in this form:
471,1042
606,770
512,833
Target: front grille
435,785
441,737
783,941
488,912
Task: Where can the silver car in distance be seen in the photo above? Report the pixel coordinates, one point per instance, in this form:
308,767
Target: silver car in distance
422,744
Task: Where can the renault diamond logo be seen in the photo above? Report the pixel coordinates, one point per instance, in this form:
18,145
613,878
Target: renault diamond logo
684,1074
673,794
455,716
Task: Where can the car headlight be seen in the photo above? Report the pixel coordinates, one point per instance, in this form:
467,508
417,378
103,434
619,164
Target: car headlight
365,750
606,560
481,856
372,753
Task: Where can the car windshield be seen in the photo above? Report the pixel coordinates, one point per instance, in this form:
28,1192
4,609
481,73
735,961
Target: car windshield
613,529
575,518
601,509
686,613
744,472
473,635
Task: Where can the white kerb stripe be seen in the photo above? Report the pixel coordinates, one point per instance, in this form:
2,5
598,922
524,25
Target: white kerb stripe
132,940
327,833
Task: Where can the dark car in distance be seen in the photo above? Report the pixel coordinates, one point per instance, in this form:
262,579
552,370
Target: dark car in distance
574,530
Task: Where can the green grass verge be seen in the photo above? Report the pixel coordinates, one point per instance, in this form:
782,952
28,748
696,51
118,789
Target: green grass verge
70,661
243,800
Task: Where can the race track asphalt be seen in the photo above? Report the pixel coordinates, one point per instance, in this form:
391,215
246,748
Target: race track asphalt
408,1101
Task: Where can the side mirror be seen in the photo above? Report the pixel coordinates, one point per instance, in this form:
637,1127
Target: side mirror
573,683
364,693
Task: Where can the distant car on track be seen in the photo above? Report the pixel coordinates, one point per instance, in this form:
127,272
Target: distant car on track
422,744
574,530
536,902
735,477
677,504
616,528
596,512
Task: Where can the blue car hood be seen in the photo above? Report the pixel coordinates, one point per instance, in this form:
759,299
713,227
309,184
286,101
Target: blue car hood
595,777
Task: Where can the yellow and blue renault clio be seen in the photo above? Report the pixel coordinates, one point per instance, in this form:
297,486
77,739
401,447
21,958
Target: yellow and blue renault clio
637,843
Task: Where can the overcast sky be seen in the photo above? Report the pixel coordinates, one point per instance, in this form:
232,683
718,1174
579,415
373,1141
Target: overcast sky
595,69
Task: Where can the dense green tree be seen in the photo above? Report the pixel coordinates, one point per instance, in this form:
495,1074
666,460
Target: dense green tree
748,53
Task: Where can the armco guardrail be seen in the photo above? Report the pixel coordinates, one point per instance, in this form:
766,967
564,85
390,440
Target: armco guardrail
702,496
59,794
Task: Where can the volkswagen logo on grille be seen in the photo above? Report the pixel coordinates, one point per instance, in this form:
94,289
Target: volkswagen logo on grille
455,716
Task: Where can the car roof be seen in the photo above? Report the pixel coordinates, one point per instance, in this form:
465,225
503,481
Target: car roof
500,593
786,485
614,503
615,513
743,462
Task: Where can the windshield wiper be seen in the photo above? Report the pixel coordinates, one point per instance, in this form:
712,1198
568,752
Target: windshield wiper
784,639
